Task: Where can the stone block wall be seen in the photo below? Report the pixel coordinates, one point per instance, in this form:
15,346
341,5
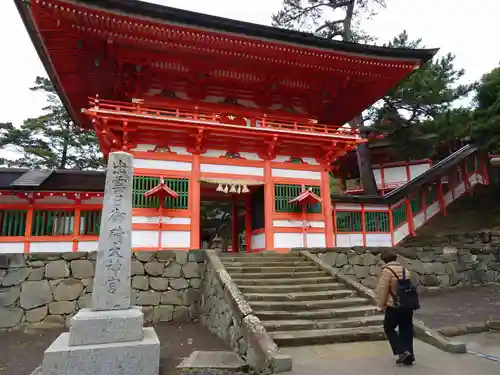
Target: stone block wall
431,267
46,290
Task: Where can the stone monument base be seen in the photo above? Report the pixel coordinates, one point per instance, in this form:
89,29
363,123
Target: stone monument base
120,358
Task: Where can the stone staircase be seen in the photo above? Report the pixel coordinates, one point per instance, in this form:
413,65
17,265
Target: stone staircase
300,304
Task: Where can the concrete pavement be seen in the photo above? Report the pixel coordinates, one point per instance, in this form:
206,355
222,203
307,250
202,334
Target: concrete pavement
375,358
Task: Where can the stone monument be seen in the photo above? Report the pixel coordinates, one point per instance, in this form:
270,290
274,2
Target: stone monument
109,338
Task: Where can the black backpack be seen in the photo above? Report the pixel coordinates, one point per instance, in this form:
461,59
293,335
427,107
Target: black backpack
406,297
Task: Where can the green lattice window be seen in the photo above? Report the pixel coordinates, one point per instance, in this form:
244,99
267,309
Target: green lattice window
53,222
90,222
431,194
399,216
416,203
284,193
144,183
12,222
349,221
377,221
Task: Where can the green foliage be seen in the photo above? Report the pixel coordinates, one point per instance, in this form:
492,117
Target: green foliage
51,141
419,109
485,124
329,19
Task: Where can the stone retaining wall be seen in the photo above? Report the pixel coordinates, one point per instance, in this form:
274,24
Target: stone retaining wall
226,313
432,267
46,290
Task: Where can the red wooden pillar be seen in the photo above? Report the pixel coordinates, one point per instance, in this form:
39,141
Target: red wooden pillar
28,229
327,208
235,245
442,204
409,215
268,205
76,226
391,225
195,202
363,224
248,222
465,177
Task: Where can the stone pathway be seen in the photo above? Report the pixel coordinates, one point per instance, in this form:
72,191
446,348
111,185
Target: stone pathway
21,353
462,306
375,358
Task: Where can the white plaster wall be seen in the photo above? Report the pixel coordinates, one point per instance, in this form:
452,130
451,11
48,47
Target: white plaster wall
11,247
88,246
394,174
459,190
448,198
145,220
419,220
55,200
432,210
378,239
162,164
258,241
316,240
144,238
401,233
298,223
51,247
93,200
349,240
12,199
288,240
144,147
292,173
284,158
418,169
250,156
180,150
376,208
378,176
176,220
175,239
231,169
214,153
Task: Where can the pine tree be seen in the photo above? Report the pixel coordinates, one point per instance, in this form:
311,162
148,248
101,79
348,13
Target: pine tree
51,141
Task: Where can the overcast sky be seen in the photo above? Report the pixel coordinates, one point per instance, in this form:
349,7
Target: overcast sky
469,29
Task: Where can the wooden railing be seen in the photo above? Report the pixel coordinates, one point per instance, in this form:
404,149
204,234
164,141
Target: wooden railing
226,118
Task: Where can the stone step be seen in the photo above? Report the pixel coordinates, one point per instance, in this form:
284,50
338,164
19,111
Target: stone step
327,336
284,281
304,324
341,312
268,269
307,305
270,264
278,275
316,287
269,258
300,296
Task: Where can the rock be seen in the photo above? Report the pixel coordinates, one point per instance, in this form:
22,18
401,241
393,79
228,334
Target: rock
154,268
437,268
181,313
140,282
10,316
137,268
15,276
191,269
51,321
172,297
35,294
179,284
36,263
84,301
369,259
348,270
190,296
181,257
148,314
88,284
417,266
341,260
36,315
62,307
361,272
163,313
173,270
148,298
82,269
9,296
36,274
73,256
444,280
375,270
68,290
56,270
429,280
195,283
370,282
165,256
16,261
330,258
158,283
144,256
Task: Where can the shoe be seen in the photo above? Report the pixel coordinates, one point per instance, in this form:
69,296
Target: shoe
409,361
402,358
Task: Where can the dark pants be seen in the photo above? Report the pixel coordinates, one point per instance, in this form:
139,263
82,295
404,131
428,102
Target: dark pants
403,320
